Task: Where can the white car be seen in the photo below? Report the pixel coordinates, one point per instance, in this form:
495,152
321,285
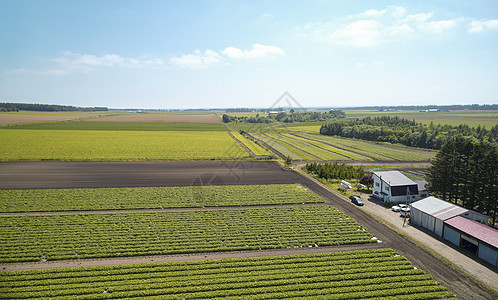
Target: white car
400,207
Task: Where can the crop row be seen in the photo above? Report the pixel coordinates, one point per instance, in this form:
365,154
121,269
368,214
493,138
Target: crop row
31,238
328,147
283,150
256,149
303,145
370,149
153,197
340,275
24,144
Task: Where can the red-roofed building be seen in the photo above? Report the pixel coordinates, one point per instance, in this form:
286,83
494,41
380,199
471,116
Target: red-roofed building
478,238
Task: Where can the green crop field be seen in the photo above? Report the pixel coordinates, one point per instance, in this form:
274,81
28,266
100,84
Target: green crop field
85,145
375,273
283,150
256,149
453,118
153,197
371,149
52,237
488,123
310,146
118,126
311,150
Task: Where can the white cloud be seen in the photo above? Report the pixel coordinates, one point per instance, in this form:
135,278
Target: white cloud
479,26
372,13
87,62
55,72
375,27
70,62
210,58
197,60
362,33
258,51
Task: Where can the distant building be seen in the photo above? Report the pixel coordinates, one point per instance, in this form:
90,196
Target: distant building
392,186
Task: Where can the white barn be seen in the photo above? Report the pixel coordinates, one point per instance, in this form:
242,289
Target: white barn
392,186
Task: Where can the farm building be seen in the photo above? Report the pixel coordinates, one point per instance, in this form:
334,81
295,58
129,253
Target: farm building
392,186
422,190
431,213
478,238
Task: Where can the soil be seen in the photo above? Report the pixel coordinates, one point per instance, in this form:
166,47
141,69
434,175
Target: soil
8,119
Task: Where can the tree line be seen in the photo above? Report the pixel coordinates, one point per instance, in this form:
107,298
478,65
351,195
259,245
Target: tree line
406,132
465,171
286,117
427,107
46,107
334,171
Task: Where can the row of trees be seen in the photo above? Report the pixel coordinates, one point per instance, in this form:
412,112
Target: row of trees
465,172
286,117
46,107
406,132
427,107
334,171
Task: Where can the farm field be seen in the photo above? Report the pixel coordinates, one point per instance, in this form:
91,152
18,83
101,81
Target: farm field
379,273
153,197
97,124
87,145
255,148
454,118
54,237
156,117
313,146
8,118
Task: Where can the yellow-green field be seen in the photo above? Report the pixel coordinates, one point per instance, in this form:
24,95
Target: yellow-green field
256,149
21,144
453,118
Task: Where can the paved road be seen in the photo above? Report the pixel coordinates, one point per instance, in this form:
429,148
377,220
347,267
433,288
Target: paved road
122,174
26,175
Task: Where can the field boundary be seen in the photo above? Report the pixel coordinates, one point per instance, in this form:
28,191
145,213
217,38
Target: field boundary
114,211
90,262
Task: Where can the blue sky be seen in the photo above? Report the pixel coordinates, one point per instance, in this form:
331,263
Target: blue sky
206,54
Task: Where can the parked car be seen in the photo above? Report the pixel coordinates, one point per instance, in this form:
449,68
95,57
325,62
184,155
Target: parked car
356,200
405,212
399,207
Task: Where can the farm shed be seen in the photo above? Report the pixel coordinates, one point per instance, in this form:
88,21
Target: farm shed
392,186
431,213
478,238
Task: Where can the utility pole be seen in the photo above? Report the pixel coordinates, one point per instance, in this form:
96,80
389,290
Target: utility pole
406,203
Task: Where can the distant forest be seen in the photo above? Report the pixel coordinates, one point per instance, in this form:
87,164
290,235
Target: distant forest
286,117
406,132
411,107
426,107
46,107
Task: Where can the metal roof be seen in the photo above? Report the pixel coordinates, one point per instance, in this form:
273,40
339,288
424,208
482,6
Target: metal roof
475,229
394,178
438,208
421,185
